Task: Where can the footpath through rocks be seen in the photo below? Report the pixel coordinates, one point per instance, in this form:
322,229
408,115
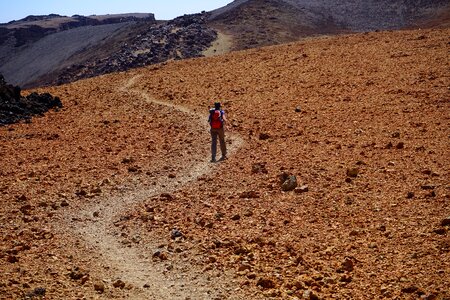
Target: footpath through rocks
134,266
340,190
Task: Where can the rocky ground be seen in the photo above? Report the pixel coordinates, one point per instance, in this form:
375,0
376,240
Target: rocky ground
114,197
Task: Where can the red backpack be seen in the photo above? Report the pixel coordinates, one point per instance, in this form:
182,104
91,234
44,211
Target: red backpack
216,120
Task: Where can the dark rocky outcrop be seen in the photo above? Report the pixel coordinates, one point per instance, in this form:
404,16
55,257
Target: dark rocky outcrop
14,107
183,37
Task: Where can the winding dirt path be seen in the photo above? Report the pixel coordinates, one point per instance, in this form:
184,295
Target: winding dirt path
133,265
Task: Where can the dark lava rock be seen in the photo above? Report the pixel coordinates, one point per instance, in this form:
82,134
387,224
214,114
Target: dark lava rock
440,231
14,107
184,37
236,217
40,291
175,233
446,221
289,184
264,136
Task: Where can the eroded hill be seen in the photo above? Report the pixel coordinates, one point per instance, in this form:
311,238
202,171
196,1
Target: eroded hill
114,195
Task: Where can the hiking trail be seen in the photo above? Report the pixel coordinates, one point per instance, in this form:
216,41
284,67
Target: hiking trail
132,264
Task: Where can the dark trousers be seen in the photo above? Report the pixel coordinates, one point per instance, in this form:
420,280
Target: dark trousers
218,133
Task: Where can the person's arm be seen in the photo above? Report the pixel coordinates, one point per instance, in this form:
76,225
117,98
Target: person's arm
224,118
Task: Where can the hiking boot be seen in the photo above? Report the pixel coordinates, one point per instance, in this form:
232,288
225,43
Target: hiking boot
223,158
213,160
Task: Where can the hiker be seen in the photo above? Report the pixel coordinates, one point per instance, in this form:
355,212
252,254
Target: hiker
217,122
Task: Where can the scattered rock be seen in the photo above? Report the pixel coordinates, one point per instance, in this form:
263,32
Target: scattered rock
12,259
410,195
446,221
26,209
427,187
22,198
81,193
302,189
264,136
127,160
119,284
236,217
266,283
289,184
400,145
64,203
347,265
161,255
298,109
410,289
39,291
76,273
133,169
352,172
175,233
99,287
249,195
440,231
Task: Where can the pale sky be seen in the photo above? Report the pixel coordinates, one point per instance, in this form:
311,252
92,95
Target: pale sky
163,9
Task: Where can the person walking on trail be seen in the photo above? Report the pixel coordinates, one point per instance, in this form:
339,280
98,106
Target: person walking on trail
217,122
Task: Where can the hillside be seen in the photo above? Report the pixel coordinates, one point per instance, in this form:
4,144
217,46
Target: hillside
114,196
256,23
54,49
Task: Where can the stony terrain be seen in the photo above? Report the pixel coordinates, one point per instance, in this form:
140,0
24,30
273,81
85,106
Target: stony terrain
114,197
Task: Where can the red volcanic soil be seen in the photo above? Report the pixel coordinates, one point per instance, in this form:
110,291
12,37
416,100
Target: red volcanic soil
114,196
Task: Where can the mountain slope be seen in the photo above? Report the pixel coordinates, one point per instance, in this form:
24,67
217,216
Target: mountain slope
361,120
255,23
55,51
47,50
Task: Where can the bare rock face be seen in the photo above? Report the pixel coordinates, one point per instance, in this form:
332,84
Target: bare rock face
14,107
